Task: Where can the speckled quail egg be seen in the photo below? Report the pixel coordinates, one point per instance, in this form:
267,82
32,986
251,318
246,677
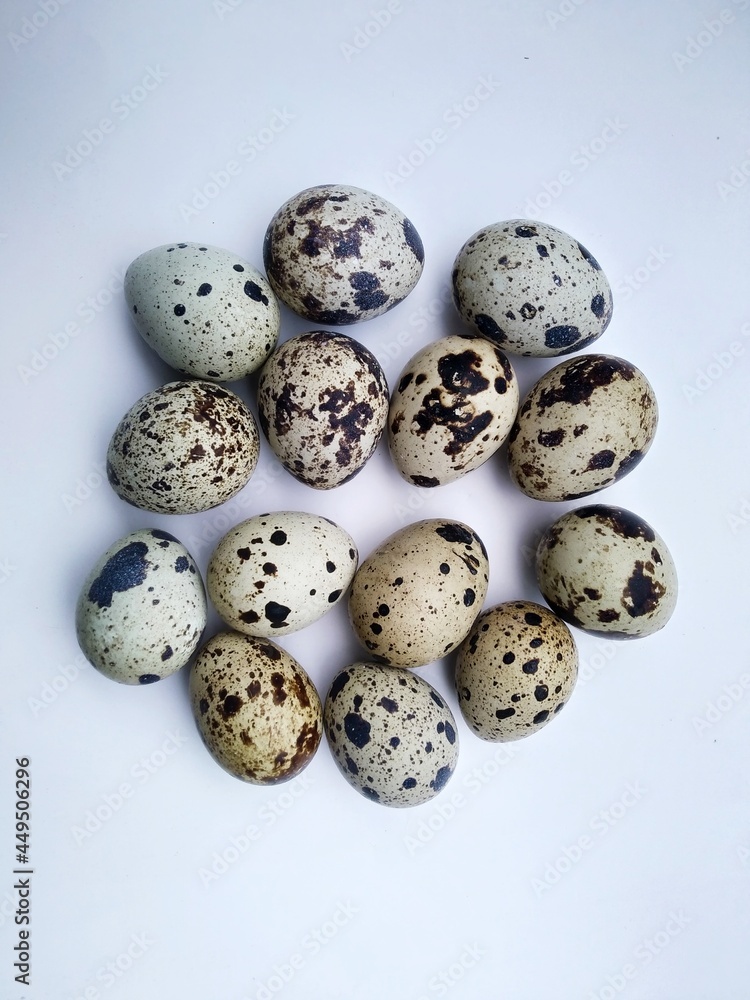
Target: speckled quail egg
257,711
142,608
183,448
276,573
584,425
452,409
337,254
204,310
391,734
515,671
531,288
605,570
416,596
323,405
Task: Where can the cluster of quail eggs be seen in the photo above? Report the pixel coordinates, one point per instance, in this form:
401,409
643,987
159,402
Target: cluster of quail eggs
337,255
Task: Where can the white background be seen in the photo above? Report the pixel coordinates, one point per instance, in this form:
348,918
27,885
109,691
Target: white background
607,855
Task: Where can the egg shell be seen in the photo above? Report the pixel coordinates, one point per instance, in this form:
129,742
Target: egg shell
183,448
277,573
584,425
452,409
515,671
204,310
256,709
531,288
416,596
323,406
337,254
391,734
605,570
142,608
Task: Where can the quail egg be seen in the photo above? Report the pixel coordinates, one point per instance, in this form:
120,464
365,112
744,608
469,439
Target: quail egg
531,289
142,608
257,711
391,734
605,570
276,573
183,448
515,671
337,254
416,596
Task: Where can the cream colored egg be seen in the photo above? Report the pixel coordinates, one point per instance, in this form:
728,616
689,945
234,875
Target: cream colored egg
583,426
515,671
183,448
416,596
323,404
338,254
276,573
454,405
605,570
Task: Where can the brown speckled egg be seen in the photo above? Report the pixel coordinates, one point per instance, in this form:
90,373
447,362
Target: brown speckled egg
515,671
183,448
452,409
584,425
204,310
416,596
323,404
257,711
531,288
605,570
337,254
391,734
